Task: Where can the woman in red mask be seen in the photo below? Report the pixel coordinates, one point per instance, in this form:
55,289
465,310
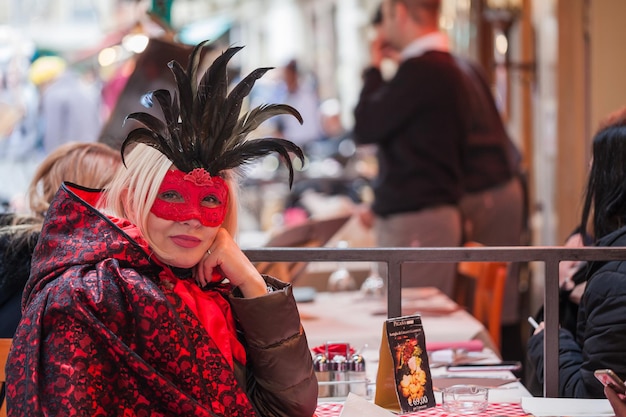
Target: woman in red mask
140,303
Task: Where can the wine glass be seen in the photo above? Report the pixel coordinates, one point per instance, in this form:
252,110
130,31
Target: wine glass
374,284
341,279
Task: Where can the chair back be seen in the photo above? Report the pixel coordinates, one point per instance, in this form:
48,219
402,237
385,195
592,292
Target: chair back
311,234
489,280
5,346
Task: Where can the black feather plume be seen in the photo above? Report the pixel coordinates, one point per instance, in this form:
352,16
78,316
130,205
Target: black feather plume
202,126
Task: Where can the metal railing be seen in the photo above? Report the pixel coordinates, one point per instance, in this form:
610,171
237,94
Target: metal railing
395,257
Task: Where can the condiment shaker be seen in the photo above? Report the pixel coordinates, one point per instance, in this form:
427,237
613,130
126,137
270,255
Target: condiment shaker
340,371
358,374
321,367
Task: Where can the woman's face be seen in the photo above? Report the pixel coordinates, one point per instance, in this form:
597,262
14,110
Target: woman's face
186,215
180,244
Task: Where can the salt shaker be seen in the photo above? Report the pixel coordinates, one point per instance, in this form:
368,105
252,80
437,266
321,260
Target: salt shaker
357,373
322,372
340,375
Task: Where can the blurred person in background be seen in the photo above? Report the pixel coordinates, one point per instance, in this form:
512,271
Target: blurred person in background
19,103
419,122
70,107
88,164
493,201
300,93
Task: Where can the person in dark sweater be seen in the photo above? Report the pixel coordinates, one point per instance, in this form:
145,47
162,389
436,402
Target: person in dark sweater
88,164
600,338
419,122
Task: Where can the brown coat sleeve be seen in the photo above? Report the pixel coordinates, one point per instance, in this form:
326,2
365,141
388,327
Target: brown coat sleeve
281,381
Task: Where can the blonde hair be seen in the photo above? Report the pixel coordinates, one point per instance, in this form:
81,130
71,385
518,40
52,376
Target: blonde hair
89,164
134,188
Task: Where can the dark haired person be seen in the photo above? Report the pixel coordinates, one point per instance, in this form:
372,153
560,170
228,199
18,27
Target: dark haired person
418,121
600,338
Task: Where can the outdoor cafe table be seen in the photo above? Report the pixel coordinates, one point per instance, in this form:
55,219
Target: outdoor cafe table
357,319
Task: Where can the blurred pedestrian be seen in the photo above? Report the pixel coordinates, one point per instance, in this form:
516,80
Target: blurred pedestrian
19,102
70,107
300,93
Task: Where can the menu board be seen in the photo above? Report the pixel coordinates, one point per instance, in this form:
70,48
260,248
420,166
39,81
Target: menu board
403,367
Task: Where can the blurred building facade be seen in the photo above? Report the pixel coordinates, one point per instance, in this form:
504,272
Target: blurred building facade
554,64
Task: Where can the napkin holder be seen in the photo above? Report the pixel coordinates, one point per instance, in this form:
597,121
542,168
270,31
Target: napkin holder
403,381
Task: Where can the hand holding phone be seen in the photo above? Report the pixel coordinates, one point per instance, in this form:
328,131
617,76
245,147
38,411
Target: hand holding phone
609,378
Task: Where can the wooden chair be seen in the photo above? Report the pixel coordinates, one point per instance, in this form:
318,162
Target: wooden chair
488,279
311,234
5,345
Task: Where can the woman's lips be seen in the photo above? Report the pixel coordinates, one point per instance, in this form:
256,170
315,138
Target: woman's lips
186,241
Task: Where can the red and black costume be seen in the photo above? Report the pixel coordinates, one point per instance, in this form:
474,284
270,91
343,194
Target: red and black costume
104,333
108,329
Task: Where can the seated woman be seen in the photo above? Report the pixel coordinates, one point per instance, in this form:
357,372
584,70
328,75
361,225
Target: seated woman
89,164
600,337
147,306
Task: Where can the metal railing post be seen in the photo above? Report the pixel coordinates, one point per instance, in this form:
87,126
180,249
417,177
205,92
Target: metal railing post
394,289
551,332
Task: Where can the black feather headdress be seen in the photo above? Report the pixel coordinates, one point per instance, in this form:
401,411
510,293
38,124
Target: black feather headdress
202,127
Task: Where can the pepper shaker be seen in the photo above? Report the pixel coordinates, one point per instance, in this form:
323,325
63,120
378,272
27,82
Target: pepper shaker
322,372
357,374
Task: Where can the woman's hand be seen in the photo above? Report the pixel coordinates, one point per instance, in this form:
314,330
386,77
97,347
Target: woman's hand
225,257
618,401
568,268
539,328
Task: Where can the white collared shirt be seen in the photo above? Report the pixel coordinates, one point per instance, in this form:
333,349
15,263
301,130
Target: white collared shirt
435,41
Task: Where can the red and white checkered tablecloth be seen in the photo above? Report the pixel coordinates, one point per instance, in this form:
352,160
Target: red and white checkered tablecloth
494,409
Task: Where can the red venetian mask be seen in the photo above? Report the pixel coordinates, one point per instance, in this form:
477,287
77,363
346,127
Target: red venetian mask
196,195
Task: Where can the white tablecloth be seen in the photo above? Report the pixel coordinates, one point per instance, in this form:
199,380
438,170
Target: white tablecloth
354,318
